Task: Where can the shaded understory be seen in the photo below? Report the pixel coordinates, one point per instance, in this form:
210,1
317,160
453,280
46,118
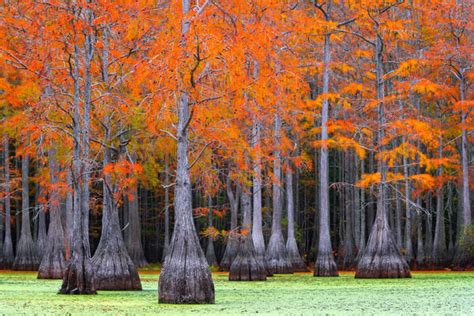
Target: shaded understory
425,293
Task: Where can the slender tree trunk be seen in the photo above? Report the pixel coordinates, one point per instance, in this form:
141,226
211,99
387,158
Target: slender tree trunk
167,211
257,232
466,200
232,246
26,254
247,265
347,256
53,262
325,264
42,237
276,255
7,257
69,213
134,240
408,223
291,245
210,251
398,216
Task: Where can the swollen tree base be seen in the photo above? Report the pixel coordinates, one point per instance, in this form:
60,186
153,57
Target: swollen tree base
246,266
26,258
276,257
53,262
294,257
185,278
325,265
231,251
78,277
115,270
381,257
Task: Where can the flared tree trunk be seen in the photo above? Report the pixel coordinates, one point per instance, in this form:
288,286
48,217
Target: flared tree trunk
291,245
26,258
276,256
247,265
7,257
134,236
185,277
381,257
53,262
210,252
232,246
79,274
325,264
113,267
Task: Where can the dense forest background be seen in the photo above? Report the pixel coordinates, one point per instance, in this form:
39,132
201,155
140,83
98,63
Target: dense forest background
310,134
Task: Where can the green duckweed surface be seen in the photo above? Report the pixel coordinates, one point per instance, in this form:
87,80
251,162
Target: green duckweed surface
433,293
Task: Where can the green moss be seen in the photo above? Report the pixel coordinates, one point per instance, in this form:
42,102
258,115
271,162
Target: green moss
426,293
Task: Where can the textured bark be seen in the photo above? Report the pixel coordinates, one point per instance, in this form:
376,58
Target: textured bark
420,248
257,231
26,258
113,267
277,259
185,277
398,216
325,264
381,257
247,266
134,237
210,251
232,246
53,262
291,245
439,244
7,257
167,211
79,275
69,214
346,256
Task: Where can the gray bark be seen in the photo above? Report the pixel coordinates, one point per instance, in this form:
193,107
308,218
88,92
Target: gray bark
167,211
257,231
26,255
185,277
53,262
381,257
247,265
232,241
291,245
325,264
210,252
7,256
276,256
134,237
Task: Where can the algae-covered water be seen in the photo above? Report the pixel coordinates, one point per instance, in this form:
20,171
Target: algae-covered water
435,293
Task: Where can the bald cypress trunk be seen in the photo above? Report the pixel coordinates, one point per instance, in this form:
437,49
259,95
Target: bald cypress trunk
210,251
247,265
79,274
291,245
257,231
134,236
325,264
276,256
41,238
26,255
232,246
53,262
114,269
167,212
381,257
7,256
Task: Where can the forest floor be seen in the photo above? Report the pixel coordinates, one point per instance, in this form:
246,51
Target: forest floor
426,293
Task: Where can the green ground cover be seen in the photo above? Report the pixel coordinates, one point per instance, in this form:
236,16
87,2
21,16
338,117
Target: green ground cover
426,293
